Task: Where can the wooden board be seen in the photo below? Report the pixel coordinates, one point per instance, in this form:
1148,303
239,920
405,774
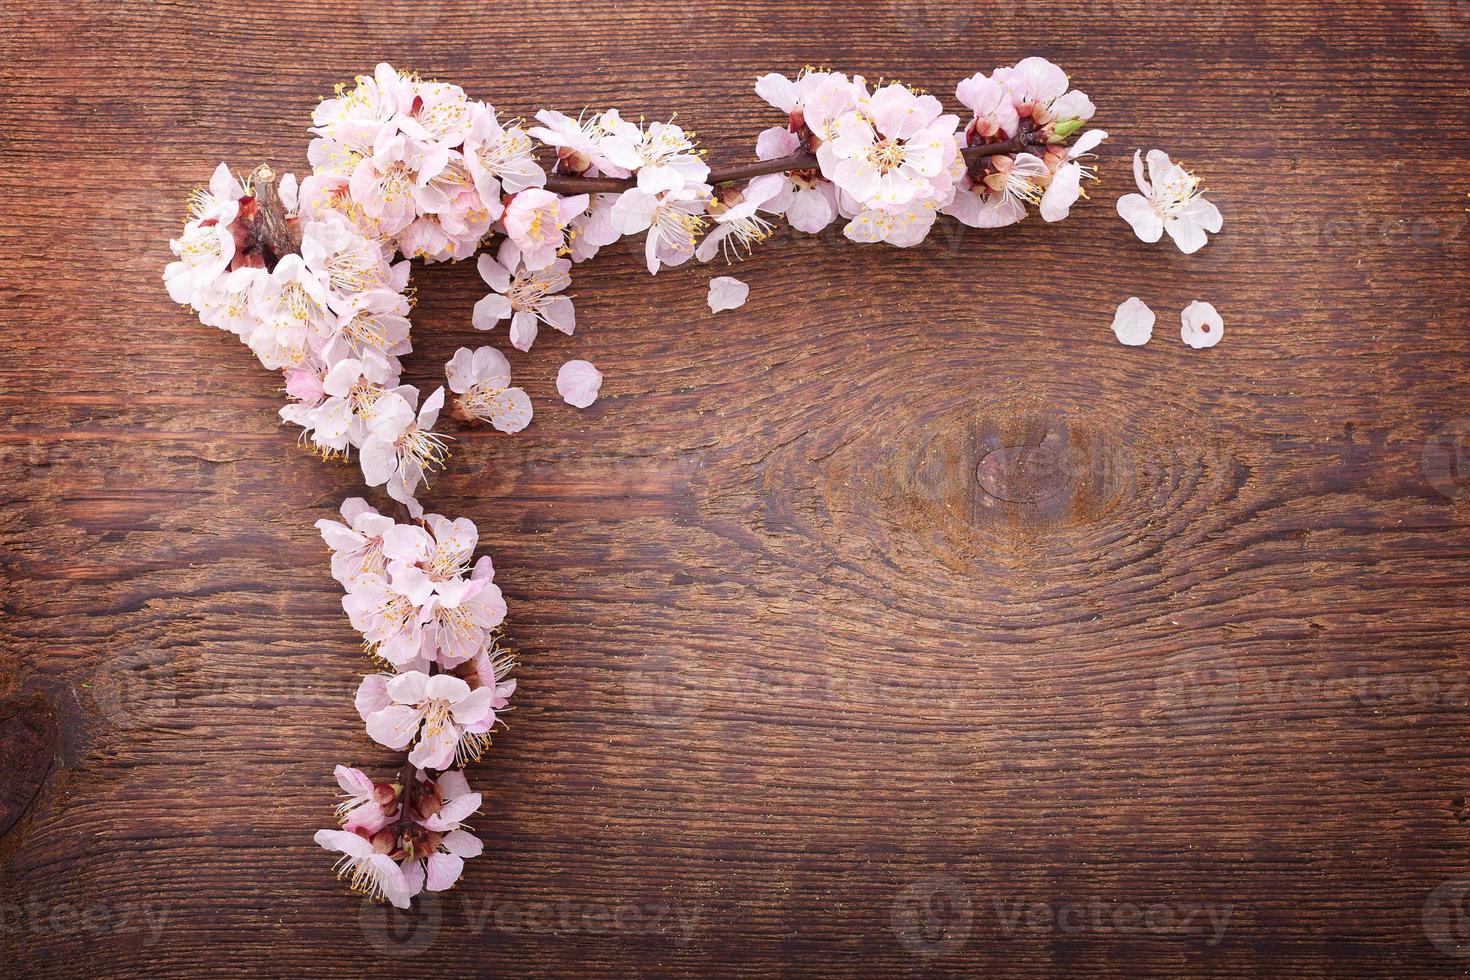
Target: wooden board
898,622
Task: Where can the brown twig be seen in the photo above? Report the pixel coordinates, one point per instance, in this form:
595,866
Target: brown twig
800,160
268,225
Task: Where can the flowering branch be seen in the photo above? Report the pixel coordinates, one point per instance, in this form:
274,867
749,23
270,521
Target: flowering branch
801,160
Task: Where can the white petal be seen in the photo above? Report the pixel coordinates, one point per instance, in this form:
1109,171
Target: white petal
523,330
1138,212
491,368
490,310
443,871
726,293
510,410
460,371
463,843
495,275
1201,325
578,383
559,312
1133,324
1186,232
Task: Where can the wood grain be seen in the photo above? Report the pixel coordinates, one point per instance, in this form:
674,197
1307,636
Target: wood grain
899,622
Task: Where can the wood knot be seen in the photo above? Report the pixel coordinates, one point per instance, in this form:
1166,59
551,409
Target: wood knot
1025,474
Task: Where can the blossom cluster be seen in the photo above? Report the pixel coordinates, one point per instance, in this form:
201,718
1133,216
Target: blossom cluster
405,166
432,617
889,158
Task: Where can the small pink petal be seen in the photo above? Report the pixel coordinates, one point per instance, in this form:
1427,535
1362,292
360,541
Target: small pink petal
578,383
726,293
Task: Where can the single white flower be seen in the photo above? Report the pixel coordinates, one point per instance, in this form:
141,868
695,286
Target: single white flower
1202,326
663,155
498,159
367,870
738,223
808,200
672,219
902,227
1133,324
896,153
1170,202
481,379
400,449
1001,198
1066,183
578,383
578,144
726,293
524,295
431,713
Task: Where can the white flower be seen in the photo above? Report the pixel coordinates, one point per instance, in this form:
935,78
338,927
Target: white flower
902,227
663,155
1133,324
1040,87
579,147
431,713
352,387
400,449
204,253
896,153
672,220
498,159
1202,326
536,220
1066,183
995,112
291,311
726,293
357,545
482,380
1001,198
578,383
1170,202
366,869
525,296
738,225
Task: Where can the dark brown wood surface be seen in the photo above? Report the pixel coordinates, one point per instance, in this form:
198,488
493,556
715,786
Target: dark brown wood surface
899,622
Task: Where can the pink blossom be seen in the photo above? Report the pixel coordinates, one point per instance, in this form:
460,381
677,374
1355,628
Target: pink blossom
367,869
429,713
499,159
460,614
536,220
672,219
357,545
578,144
738,225
895,152
481,379
441,548
367,806
662,155
389,613
808,200
995,112
401,449
525,295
